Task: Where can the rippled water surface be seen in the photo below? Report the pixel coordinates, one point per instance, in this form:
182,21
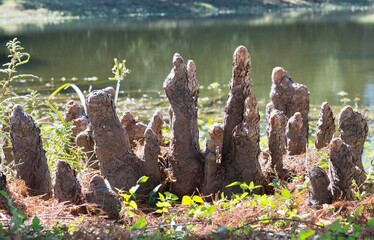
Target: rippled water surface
327,56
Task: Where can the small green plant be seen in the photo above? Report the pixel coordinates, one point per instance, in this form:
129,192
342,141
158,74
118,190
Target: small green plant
129,198
166,201
17,57
246,188
120,71
197,206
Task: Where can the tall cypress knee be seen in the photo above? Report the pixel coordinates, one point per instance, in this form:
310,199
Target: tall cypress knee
185,155
353,128
118,164
277,140
29,155
240,88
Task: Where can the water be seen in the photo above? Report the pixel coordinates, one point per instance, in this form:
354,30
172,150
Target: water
327,56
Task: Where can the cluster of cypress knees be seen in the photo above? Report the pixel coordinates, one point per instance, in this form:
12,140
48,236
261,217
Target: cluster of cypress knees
124,149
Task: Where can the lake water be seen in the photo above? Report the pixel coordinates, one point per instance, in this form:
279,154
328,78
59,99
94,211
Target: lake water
327,56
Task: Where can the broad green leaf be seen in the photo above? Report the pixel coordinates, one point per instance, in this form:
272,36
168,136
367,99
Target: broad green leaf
233,184
186,200
133,204
166,204
197,199
211,209
244,186
159,211
161,197
286,193
251,185
305,234
244,194
142,179
140,223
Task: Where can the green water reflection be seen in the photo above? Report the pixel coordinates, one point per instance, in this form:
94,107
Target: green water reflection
328,56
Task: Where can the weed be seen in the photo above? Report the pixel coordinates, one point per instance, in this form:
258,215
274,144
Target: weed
120,71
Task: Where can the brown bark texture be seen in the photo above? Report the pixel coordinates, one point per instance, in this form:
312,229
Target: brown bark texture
212,180
319,192
185,156
342,169
101,193
245,150
353,129
74,112
296,141
288,97
277,140
135,130
29,155
67,186
156,124
118,164
325,126
241,130
149,163
85,141
240,88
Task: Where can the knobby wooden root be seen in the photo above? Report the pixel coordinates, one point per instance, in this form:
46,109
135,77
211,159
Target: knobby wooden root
118,164
342,169
29,155
67,186
325,126
239,137
353,128
185,156
135,130
296,142
288,97
319,192
74,112
101,193
240,88
277,140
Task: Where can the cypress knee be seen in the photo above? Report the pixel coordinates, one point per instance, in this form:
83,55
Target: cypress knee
296,142
240,88
289,97
353,128
118,164
325,126
277,140
342,169
185,156
67,186
101,193
319,192
29,155
156,124
135,130
246,148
